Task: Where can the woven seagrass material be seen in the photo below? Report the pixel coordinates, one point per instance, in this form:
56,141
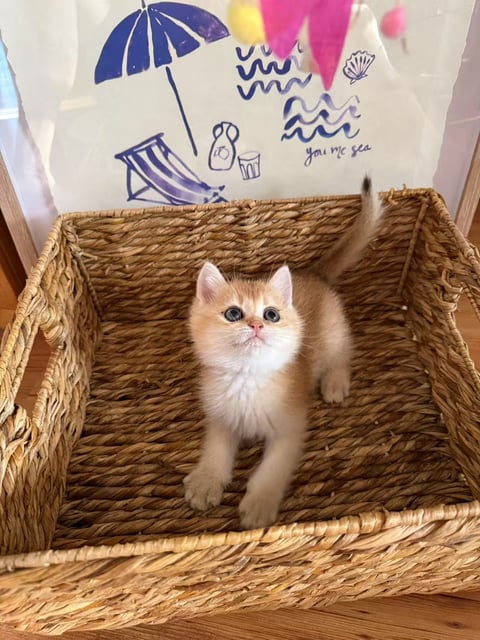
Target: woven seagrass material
94,530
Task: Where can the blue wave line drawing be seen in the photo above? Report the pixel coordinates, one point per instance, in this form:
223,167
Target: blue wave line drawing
264,64
274,65
325,115
325,97
257,64
251,50
301,118
244,56
266,88
320,130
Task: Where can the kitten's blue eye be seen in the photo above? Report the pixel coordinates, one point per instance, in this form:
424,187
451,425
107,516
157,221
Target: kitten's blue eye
271,314
233,314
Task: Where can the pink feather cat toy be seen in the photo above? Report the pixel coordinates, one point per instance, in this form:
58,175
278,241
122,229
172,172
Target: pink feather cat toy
320,26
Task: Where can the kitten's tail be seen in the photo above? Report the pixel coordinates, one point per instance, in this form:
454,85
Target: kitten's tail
348,249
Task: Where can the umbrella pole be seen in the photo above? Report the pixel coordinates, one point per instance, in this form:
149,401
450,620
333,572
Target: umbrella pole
182,110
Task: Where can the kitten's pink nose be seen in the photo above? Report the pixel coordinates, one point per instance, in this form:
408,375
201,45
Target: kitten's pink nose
256,325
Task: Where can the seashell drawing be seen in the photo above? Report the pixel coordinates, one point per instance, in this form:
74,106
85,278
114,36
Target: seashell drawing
357,65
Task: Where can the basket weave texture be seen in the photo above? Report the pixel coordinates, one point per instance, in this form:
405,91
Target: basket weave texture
94,530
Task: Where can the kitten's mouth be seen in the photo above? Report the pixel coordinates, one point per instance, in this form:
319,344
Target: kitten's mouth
254,341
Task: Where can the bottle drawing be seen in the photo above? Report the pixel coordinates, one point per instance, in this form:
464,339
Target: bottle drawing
222,152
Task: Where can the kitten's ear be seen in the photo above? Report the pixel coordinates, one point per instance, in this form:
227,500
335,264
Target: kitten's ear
282,282
208,282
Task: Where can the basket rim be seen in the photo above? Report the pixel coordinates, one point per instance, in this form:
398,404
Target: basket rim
368,523
388,195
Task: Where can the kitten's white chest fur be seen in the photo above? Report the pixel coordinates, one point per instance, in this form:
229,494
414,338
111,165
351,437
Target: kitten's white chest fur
246,399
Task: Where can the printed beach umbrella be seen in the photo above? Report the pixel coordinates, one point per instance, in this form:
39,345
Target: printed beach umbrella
154,31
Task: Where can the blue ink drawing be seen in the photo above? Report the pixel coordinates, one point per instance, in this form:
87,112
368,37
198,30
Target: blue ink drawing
156,174
303,122
357,65
262,63
153,31
249,164
222,152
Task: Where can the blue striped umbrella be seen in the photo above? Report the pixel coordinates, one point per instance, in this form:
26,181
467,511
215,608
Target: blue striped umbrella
153,32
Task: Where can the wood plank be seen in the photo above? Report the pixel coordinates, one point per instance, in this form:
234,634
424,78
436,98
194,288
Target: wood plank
34,373
470,200
15,220
467,321
5,315
12,275
8,297
469,326
10,262
405,618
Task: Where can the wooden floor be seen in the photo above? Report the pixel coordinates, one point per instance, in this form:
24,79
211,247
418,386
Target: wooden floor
7,299
466,319
441,617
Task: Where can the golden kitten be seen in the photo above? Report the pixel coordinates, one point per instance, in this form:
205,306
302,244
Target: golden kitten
263,346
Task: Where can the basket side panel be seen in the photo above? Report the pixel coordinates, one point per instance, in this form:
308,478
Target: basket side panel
143,264
36,449
442,268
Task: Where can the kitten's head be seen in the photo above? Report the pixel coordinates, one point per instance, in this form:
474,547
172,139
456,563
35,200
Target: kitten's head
242,323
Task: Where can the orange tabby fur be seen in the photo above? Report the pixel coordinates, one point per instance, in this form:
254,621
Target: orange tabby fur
257,374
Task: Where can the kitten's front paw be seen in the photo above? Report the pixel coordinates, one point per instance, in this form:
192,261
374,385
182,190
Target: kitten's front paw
335,385
203,489
258,510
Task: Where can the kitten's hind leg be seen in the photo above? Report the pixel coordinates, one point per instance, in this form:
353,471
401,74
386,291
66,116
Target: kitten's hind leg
205,484
335,377
335,383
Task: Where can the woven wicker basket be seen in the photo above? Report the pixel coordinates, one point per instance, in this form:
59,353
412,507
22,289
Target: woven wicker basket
94,530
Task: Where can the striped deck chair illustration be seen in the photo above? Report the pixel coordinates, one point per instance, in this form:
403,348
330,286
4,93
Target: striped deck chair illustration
156,174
